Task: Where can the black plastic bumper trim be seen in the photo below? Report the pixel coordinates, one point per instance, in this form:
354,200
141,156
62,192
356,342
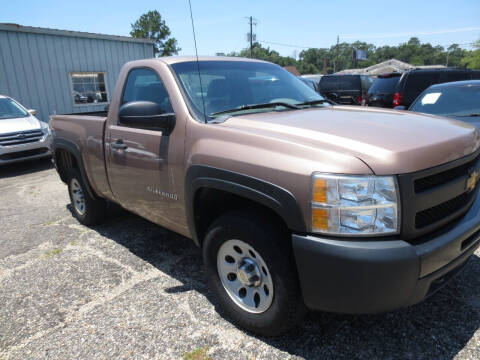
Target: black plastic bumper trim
359,277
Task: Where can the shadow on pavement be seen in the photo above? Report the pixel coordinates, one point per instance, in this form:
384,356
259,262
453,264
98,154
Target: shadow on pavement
438,328
25,167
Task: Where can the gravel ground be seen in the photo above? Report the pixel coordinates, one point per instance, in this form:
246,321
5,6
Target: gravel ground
130,289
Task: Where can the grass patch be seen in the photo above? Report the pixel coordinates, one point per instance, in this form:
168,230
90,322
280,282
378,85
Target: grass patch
48,223
198,354
52,252
73,242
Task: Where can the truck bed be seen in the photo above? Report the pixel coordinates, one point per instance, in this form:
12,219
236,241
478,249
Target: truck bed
84,133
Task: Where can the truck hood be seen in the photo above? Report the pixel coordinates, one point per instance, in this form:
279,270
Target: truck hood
19,124
388,141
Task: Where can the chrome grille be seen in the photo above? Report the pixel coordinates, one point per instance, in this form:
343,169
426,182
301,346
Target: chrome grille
21,137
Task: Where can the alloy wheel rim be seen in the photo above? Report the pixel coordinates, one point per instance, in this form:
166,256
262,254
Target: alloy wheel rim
245,276
78,197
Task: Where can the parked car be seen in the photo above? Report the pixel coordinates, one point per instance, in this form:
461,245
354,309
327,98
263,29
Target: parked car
22,135
310,82
395,89
459,100
79,98
345,89
295,203
383,89
314,77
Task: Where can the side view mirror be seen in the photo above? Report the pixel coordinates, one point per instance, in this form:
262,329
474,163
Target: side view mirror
32,112
400,107
146,115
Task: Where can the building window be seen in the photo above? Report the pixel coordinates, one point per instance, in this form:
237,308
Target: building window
88,88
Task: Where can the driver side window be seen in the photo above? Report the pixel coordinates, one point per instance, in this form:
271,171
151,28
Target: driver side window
144,85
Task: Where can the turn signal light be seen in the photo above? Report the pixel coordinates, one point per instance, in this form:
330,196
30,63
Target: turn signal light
320,219
320,190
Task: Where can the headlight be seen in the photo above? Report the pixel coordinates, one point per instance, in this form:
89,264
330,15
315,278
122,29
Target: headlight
45,128
358,205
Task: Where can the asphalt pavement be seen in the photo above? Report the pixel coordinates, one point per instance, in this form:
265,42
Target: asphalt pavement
129,289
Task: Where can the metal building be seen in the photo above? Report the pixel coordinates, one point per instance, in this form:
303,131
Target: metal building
58,71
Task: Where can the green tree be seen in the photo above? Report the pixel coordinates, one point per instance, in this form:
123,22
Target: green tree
152,26
413,51
454,55
265,53
472,59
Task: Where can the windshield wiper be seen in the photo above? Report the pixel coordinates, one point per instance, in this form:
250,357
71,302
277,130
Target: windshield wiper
256,106
315,102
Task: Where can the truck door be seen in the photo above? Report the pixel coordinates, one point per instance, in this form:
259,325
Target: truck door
139,161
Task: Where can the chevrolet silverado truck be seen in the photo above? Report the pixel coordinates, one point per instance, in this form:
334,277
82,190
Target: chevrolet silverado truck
296,203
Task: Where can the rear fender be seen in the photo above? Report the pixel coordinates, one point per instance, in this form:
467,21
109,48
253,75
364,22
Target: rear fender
74,150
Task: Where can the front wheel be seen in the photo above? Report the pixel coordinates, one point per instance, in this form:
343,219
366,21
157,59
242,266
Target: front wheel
251,271
87,210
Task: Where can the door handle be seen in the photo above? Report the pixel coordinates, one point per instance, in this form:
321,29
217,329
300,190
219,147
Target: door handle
118,145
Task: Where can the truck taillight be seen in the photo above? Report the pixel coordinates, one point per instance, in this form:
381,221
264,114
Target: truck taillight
397,99
359,99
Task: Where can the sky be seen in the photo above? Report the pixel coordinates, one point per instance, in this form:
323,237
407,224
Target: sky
221,26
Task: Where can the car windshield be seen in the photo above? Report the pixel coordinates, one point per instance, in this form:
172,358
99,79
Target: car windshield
449,101
340,82
9,109
384,84
227,85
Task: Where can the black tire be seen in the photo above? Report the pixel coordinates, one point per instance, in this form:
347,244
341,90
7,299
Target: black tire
273,244
94,209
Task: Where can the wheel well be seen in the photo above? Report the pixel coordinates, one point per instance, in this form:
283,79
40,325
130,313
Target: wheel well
64,161
209,204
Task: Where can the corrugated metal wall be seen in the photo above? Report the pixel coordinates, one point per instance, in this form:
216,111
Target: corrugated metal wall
35,68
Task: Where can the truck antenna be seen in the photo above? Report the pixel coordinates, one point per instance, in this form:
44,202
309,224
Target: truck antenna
198,63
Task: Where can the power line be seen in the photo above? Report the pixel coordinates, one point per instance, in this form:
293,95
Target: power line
316,47
418,33
287,45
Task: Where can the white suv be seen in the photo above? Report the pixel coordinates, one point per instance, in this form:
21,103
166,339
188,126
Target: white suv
22,135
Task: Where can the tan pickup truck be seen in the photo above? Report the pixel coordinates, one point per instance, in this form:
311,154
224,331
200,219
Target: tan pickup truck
297,203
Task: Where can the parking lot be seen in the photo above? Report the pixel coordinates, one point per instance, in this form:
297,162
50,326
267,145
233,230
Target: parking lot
131,289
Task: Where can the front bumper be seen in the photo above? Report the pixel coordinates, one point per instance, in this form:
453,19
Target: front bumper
371,276
27,151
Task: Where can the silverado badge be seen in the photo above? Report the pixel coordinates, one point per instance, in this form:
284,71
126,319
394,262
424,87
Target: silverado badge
472,180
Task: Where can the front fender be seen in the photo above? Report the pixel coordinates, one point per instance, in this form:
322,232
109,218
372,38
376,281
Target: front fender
279,200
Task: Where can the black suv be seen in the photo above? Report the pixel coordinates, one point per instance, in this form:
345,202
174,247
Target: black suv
395,89
345,89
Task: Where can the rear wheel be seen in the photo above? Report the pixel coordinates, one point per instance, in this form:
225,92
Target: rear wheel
251,271
88,210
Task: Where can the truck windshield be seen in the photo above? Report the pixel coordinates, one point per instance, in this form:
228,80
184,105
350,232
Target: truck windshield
227,85
9,109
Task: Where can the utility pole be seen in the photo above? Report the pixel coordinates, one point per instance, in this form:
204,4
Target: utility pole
336,56
251,36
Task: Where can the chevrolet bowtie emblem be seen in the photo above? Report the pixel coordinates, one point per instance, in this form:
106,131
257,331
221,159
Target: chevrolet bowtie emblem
472,180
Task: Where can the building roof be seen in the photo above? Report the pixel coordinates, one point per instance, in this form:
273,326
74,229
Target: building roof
78,34
387,67
292,69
